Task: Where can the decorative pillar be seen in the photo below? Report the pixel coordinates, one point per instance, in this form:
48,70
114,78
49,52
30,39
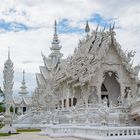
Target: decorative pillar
62,103
67,103
122,86
72,101
14,111
85,94
8,75
99,92
99,82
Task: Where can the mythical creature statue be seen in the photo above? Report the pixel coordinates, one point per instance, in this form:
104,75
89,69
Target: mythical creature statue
137,69
130,55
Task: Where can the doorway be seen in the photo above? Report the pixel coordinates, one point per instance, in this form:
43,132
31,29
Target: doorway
110,87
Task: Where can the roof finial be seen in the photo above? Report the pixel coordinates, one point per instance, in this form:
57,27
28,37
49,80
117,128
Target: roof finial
55,27
104,28
8,52
55,37
87,28
23,80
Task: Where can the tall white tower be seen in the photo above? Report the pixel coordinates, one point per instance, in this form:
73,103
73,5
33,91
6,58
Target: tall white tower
8,75
52,61
23,91
55,54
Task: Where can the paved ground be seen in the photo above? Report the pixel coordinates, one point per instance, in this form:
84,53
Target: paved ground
33,136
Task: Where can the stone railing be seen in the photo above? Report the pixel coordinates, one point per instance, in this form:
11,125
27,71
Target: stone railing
89,132
27,126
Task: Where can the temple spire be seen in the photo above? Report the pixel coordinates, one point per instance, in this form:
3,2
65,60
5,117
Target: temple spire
55,55
55,37
23,87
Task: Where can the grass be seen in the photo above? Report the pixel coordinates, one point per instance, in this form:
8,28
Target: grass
4,134
19,130
28,130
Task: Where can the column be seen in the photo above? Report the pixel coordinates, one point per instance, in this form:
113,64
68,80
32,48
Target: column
100,81
62,104
72,101
22,110
99,93
67,103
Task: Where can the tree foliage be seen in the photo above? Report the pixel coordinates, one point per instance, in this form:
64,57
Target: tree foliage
2,109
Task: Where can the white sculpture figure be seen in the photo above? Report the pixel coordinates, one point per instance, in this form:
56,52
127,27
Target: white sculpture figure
119,101
104,111
105,101
129,97
130,55
8,75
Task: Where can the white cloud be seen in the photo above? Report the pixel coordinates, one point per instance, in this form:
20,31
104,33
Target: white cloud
26,46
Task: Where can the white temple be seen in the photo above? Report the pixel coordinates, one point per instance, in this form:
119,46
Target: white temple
94,94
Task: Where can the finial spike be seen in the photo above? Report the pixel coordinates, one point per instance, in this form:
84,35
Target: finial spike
110,28
113,26
23,80
87,28
104,28
8,52
97,27
55,27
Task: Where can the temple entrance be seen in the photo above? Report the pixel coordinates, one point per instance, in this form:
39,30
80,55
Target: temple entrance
24,109
110,88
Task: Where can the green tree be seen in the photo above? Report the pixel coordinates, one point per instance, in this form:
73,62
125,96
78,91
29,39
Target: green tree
1,94
2,109
1,101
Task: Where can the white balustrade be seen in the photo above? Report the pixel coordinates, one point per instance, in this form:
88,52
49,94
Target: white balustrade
91,132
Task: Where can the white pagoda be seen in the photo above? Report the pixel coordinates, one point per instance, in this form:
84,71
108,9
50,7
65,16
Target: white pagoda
22,102
8,75
23,87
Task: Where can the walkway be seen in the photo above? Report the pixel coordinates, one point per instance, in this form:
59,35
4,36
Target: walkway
33,136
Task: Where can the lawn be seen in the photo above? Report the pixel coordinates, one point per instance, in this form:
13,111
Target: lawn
19,131
28,130
4,134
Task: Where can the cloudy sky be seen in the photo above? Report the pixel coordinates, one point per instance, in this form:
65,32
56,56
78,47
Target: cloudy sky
26,26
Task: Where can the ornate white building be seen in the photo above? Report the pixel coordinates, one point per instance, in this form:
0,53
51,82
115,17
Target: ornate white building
93,93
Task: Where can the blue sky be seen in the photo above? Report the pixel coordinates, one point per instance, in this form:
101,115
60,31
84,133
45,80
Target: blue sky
27,28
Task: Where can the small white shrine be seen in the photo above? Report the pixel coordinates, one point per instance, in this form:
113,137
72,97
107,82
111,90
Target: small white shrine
23,102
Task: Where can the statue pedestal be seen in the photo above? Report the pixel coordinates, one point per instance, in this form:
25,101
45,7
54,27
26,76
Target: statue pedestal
8,127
